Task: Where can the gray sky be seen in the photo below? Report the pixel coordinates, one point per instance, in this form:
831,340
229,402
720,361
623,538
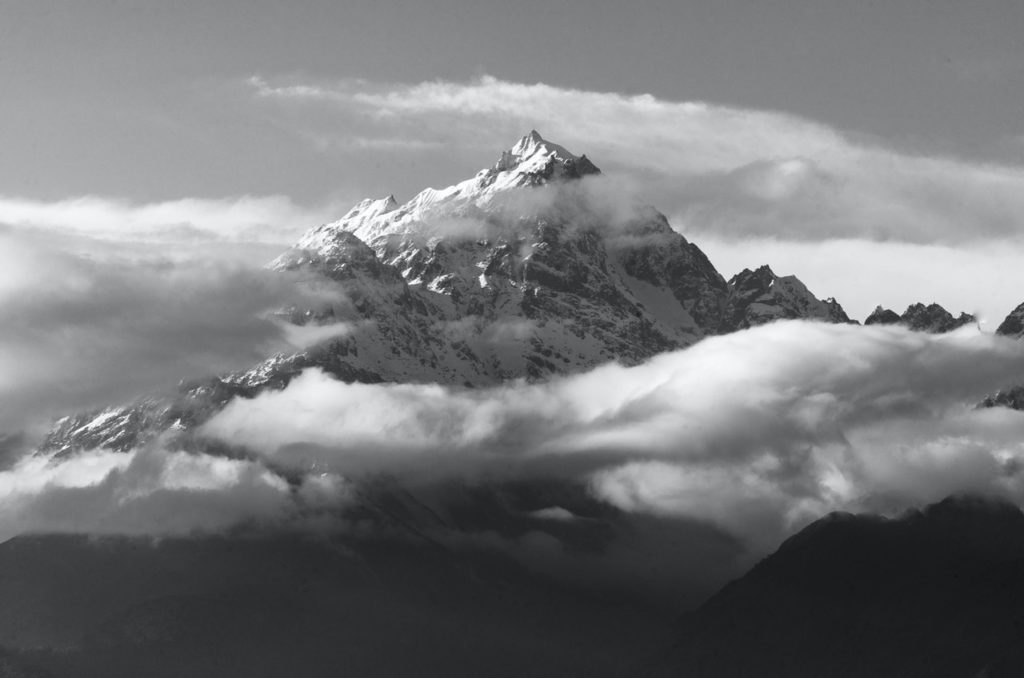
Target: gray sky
294,105
138,99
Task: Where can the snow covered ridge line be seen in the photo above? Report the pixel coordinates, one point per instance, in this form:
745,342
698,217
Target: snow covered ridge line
537,266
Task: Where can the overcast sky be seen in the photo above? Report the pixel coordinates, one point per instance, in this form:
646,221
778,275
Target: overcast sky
827,139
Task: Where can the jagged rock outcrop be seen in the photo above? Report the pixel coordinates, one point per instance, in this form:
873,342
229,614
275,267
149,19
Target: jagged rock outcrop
932,318
1012,397
882,316
759,296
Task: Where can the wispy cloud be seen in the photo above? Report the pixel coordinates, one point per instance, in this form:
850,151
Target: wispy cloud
263,219
87,329
155,493
735,171
775,187
104,299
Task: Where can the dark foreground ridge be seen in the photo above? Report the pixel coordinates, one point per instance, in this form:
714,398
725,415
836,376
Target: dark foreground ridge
285,605
937,593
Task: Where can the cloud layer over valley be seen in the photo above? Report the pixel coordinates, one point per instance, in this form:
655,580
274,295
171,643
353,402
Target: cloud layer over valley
782,422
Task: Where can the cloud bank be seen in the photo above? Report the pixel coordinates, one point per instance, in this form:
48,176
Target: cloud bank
253,219
155,493
701,460
756,432
84,330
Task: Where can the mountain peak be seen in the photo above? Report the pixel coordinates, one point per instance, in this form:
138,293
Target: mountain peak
372,207
1013,325
759,296
920,318
882,316
534,155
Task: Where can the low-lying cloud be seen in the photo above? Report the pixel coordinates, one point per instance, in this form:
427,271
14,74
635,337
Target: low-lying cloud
756,432
702,459
252,219
156,493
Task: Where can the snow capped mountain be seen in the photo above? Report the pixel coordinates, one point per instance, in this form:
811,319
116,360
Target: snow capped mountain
531,268
532,161
512,273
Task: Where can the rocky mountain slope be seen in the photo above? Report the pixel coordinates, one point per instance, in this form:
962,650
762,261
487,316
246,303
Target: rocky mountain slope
1013,324
1013,396
525,270
935,593
758,297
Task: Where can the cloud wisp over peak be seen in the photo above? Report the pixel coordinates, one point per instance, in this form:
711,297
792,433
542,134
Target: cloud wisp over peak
748,173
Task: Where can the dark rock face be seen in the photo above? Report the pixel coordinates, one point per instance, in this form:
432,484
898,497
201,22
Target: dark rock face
920,318
938,592
1012,397
759,296
1013,325
882,316
933,318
